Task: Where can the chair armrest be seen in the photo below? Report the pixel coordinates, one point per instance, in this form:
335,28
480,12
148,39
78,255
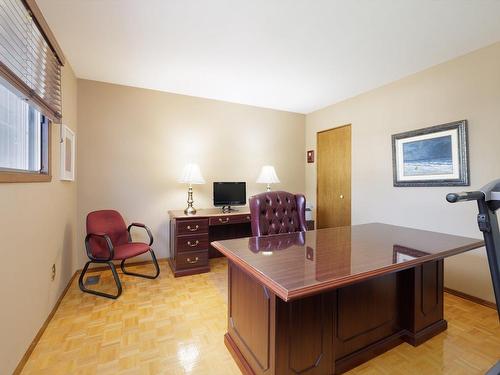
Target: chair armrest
108,243
140,225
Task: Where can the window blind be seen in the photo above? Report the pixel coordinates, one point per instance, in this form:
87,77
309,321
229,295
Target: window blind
27,60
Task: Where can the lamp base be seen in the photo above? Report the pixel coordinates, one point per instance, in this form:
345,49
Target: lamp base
190,210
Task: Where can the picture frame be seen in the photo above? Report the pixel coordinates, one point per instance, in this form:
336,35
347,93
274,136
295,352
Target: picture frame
68,147
433,156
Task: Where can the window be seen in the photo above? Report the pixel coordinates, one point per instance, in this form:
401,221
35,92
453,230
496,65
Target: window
30,91
27,59
24,140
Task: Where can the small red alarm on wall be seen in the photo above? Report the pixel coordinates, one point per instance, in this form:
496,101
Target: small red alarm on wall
310,156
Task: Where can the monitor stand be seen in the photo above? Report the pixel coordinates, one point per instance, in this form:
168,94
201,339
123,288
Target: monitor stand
226,209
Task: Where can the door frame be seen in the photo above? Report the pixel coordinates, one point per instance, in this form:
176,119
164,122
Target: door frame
317,161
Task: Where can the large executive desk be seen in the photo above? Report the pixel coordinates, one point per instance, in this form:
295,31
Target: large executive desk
322,302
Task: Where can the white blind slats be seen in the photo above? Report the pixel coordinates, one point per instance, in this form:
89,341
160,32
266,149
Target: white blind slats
27,54
11,42
9,30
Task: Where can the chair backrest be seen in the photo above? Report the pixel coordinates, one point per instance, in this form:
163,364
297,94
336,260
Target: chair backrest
276,212
109,222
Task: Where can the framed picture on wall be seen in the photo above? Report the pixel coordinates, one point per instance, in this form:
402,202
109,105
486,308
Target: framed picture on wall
67,154
434,156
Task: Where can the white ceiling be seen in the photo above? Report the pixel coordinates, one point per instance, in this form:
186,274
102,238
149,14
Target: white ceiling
295,55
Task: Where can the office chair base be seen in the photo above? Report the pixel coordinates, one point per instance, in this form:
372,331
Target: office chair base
155,262
96,292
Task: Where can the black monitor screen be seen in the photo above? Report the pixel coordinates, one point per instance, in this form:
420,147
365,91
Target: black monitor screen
230,193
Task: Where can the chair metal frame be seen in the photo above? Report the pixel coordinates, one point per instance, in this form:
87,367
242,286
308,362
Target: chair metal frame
109,262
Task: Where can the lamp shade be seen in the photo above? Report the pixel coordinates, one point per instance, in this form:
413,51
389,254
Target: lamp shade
191,174
268,175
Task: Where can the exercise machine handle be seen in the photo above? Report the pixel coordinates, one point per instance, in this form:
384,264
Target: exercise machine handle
465,196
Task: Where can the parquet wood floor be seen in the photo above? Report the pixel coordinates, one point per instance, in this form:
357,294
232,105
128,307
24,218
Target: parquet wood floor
176,326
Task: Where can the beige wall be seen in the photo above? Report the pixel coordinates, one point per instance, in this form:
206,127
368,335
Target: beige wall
464,88
133,144
38,228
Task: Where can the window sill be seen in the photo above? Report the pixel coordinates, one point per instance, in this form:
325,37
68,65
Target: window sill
24,177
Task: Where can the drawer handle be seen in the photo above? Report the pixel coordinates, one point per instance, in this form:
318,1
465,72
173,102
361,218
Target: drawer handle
248,217
194,244
193,229
224,221
195,260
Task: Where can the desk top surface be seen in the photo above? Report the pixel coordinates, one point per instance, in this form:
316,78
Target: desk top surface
203,213
304,263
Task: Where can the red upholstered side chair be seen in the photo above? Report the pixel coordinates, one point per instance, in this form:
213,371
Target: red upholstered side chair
108,239
276,212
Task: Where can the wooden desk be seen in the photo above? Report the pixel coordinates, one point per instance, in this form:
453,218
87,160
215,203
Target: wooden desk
191,235
325,301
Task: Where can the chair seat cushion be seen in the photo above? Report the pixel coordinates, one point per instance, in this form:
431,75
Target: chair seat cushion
130,250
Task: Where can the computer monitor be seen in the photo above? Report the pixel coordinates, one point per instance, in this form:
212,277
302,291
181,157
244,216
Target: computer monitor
227,194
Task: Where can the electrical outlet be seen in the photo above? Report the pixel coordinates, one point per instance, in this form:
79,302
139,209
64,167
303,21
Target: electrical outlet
53,272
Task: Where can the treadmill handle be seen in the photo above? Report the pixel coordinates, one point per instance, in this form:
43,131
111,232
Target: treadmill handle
465,196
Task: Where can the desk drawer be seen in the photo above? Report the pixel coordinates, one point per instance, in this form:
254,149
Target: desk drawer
191,259
193,242
192,226
230,219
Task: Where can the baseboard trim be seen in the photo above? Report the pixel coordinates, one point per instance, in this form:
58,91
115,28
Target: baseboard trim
468,297
42,329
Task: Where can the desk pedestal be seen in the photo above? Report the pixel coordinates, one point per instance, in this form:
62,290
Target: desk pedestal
334,331
191,235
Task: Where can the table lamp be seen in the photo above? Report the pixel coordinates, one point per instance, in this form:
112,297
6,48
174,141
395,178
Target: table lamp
191,175
268,176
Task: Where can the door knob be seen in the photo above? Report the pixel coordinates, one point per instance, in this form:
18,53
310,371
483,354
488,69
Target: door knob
341,196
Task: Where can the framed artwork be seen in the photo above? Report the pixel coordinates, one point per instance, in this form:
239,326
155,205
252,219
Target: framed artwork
435,156
67,154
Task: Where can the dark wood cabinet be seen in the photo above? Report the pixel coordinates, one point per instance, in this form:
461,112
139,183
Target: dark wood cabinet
188,246
190,237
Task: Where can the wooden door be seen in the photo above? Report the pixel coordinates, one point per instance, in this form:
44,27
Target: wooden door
334,177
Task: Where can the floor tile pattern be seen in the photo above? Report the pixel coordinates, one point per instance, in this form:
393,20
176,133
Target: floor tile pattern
176,326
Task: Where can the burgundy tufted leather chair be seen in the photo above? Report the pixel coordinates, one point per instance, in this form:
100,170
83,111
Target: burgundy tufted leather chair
277,212
108,239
